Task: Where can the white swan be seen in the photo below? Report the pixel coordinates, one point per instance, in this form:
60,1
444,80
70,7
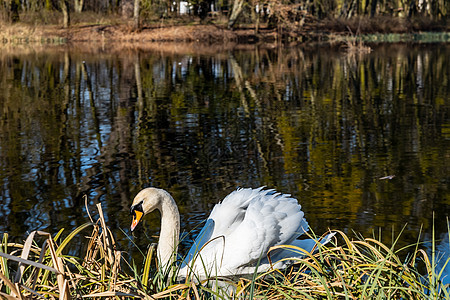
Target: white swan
237,235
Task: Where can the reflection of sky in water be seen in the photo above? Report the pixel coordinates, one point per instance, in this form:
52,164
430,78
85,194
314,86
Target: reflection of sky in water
441,258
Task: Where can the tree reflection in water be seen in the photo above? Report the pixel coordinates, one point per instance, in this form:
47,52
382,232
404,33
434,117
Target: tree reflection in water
321,125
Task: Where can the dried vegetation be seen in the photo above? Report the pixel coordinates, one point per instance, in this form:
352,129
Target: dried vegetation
364,268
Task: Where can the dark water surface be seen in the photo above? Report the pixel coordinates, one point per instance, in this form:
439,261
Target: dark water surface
322,125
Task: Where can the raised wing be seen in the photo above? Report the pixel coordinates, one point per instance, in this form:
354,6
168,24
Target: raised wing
243,227
224,218
271,219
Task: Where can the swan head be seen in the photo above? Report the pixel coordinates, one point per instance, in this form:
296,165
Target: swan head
145,202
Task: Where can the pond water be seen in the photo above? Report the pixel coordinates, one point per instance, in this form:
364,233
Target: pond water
362,141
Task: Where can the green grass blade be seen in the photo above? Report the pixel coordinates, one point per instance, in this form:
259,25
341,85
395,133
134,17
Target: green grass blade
3,262
71,236
147,264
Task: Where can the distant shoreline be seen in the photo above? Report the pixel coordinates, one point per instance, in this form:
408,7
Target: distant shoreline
329,31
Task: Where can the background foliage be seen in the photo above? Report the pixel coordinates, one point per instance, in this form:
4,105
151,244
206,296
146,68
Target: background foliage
290,14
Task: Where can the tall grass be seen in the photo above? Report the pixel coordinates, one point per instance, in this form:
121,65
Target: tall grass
362,268
40,269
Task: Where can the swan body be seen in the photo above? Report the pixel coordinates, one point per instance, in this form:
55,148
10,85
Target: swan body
237,235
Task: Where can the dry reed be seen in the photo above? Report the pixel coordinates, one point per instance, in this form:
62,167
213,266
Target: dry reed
350,269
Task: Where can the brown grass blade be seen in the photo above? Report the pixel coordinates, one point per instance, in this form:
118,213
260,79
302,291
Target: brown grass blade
7,297
34,278
106,239
111,294
194,288
24,255
11,285
19,295
28,262
87,207
57,262
32,291
169,291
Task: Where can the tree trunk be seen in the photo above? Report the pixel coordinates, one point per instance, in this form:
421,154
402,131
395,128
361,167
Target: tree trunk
257,22
235,12
66,13
78,5
136,14
351,9
255,11
13,11
373,8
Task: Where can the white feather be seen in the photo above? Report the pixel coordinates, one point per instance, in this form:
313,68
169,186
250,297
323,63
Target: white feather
240,231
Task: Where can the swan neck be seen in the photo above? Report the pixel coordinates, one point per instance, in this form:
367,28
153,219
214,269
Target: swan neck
170,230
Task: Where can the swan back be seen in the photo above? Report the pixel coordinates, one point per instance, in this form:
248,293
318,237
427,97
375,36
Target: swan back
241,229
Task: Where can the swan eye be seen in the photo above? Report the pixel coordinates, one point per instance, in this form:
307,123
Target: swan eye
137,207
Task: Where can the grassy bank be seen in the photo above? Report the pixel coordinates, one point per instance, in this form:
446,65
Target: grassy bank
42,267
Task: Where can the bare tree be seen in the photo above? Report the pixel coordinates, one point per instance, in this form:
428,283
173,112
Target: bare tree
235,12
12,10
136,12
78,5
66,13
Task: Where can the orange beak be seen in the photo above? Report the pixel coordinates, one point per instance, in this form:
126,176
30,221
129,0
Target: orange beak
136,218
